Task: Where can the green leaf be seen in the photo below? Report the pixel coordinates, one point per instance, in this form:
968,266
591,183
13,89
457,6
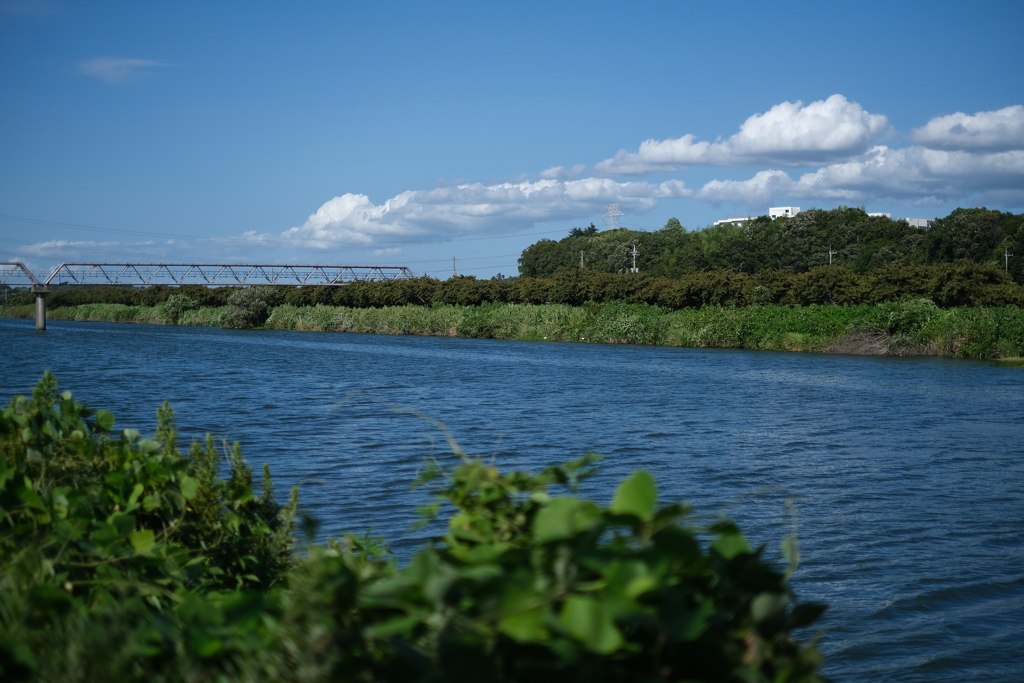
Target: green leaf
731,544
104,534
525,626
136,492
124,523
588,621
142,540
564,517
149,446
6,472
636,496
768,605
189,487
105,420
805,614
688,624
205,646
392,627
791,551
31,499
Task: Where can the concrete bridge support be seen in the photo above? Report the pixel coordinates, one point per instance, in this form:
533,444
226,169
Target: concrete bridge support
41,291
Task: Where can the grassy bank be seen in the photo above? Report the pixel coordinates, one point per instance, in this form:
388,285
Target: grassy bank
906,327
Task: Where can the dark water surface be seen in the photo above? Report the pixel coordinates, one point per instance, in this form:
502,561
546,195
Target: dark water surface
908,474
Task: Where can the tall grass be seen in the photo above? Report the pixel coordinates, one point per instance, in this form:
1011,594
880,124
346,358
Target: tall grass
904,327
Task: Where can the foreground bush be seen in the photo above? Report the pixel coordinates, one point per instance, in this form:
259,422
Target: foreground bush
121,559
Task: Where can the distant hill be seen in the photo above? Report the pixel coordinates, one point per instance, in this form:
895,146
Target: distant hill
858,241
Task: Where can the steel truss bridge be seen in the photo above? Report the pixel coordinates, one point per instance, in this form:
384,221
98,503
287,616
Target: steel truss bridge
203,274
15,273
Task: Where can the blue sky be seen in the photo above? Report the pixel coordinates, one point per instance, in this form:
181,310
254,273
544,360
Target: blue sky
409,133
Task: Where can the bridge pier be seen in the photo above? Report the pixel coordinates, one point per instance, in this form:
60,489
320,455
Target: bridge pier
41,291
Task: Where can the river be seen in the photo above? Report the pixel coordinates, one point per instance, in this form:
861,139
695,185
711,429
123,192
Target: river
907,473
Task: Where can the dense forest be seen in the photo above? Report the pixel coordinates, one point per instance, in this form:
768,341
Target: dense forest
859,242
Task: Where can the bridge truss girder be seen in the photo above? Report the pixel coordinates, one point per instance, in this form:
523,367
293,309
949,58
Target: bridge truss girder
16,274
220,274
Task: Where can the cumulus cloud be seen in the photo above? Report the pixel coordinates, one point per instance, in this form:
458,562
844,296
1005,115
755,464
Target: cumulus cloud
787,134
450,212
759,190
999,130
908,174
117,71
562,173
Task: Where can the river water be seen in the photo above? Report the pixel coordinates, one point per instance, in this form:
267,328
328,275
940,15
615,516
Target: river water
907,473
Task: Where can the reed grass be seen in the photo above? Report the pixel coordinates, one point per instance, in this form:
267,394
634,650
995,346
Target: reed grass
904,327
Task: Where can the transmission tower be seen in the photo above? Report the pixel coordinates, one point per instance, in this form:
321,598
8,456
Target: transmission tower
611,217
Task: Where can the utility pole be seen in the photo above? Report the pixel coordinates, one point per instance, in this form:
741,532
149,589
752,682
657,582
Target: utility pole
634,269
581,259
830,253
455,273
1006,259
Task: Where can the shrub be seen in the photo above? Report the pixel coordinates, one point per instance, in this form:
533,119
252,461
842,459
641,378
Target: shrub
249,307
177,304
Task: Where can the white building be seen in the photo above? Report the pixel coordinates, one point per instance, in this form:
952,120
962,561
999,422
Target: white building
780,211
737,221
790,211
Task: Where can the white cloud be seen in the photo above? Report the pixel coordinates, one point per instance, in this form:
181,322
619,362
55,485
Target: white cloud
450,212
788,134
999,130
908,174
561,172
115,70
758,191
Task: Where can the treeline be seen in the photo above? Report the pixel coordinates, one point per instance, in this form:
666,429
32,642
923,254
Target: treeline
962,283
123,558
858,242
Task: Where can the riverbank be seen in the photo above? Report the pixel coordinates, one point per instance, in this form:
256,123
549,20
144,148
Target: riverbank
902,328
